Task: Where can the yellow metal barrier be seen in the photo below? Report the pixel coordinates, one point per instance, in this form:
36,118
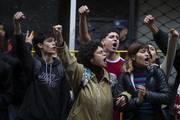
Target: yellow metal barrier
74,52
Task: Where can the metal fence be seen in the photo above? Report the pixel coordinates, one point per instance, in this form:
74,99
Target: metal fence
167,15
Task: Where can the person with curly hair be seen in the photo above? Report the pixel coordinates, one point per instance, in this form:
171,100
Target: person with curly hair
89,80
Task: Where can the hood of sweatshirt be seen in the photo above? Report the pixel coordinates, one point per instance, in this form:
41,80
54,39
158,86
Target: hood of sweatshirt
49,74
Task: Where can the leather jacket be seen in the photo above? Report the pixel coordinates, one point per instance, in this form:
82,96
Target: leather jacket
157,91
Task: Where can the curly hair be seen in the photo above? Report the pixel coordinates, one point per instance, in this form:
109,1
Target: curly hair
86,53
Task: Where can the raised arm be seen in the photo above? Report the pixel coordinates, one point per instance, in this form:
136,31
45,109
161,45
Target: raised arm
167,43
171,51
160,37
17,19
23,53
84,35
29,40
149,21
29,37
20,43
72,68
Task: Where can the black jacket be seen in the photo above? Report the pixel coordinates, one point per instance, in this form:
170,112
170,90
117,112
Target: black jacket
161,39
47,95
18,77
18,74
157,93
6,88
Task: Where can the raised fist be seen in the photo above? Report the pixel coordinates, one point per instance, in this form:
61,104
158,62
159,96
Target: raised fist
173,33
57,29
149,20
83,10
18,17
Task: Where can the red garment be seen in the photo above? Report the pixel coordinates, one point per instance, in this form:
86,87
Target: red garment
114,69
10,46
177,104
115,66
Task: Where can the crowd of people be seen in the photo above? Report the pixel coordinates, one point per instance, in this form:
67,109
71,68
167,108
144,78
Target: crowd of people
99,84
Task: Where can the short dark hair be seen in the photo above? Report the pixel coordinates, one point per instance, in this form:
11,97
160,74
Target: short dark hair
107,31
86,52
39,38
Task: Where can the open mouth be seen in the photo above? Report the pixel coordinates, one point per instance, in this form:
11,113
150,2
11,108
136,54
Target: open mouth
105,60
114,45
54,47
146,60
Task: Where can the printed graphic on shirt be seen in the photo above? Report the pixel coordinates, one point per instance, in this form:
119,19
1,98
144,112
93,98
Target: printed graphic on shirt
49,79
113,78
87,74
